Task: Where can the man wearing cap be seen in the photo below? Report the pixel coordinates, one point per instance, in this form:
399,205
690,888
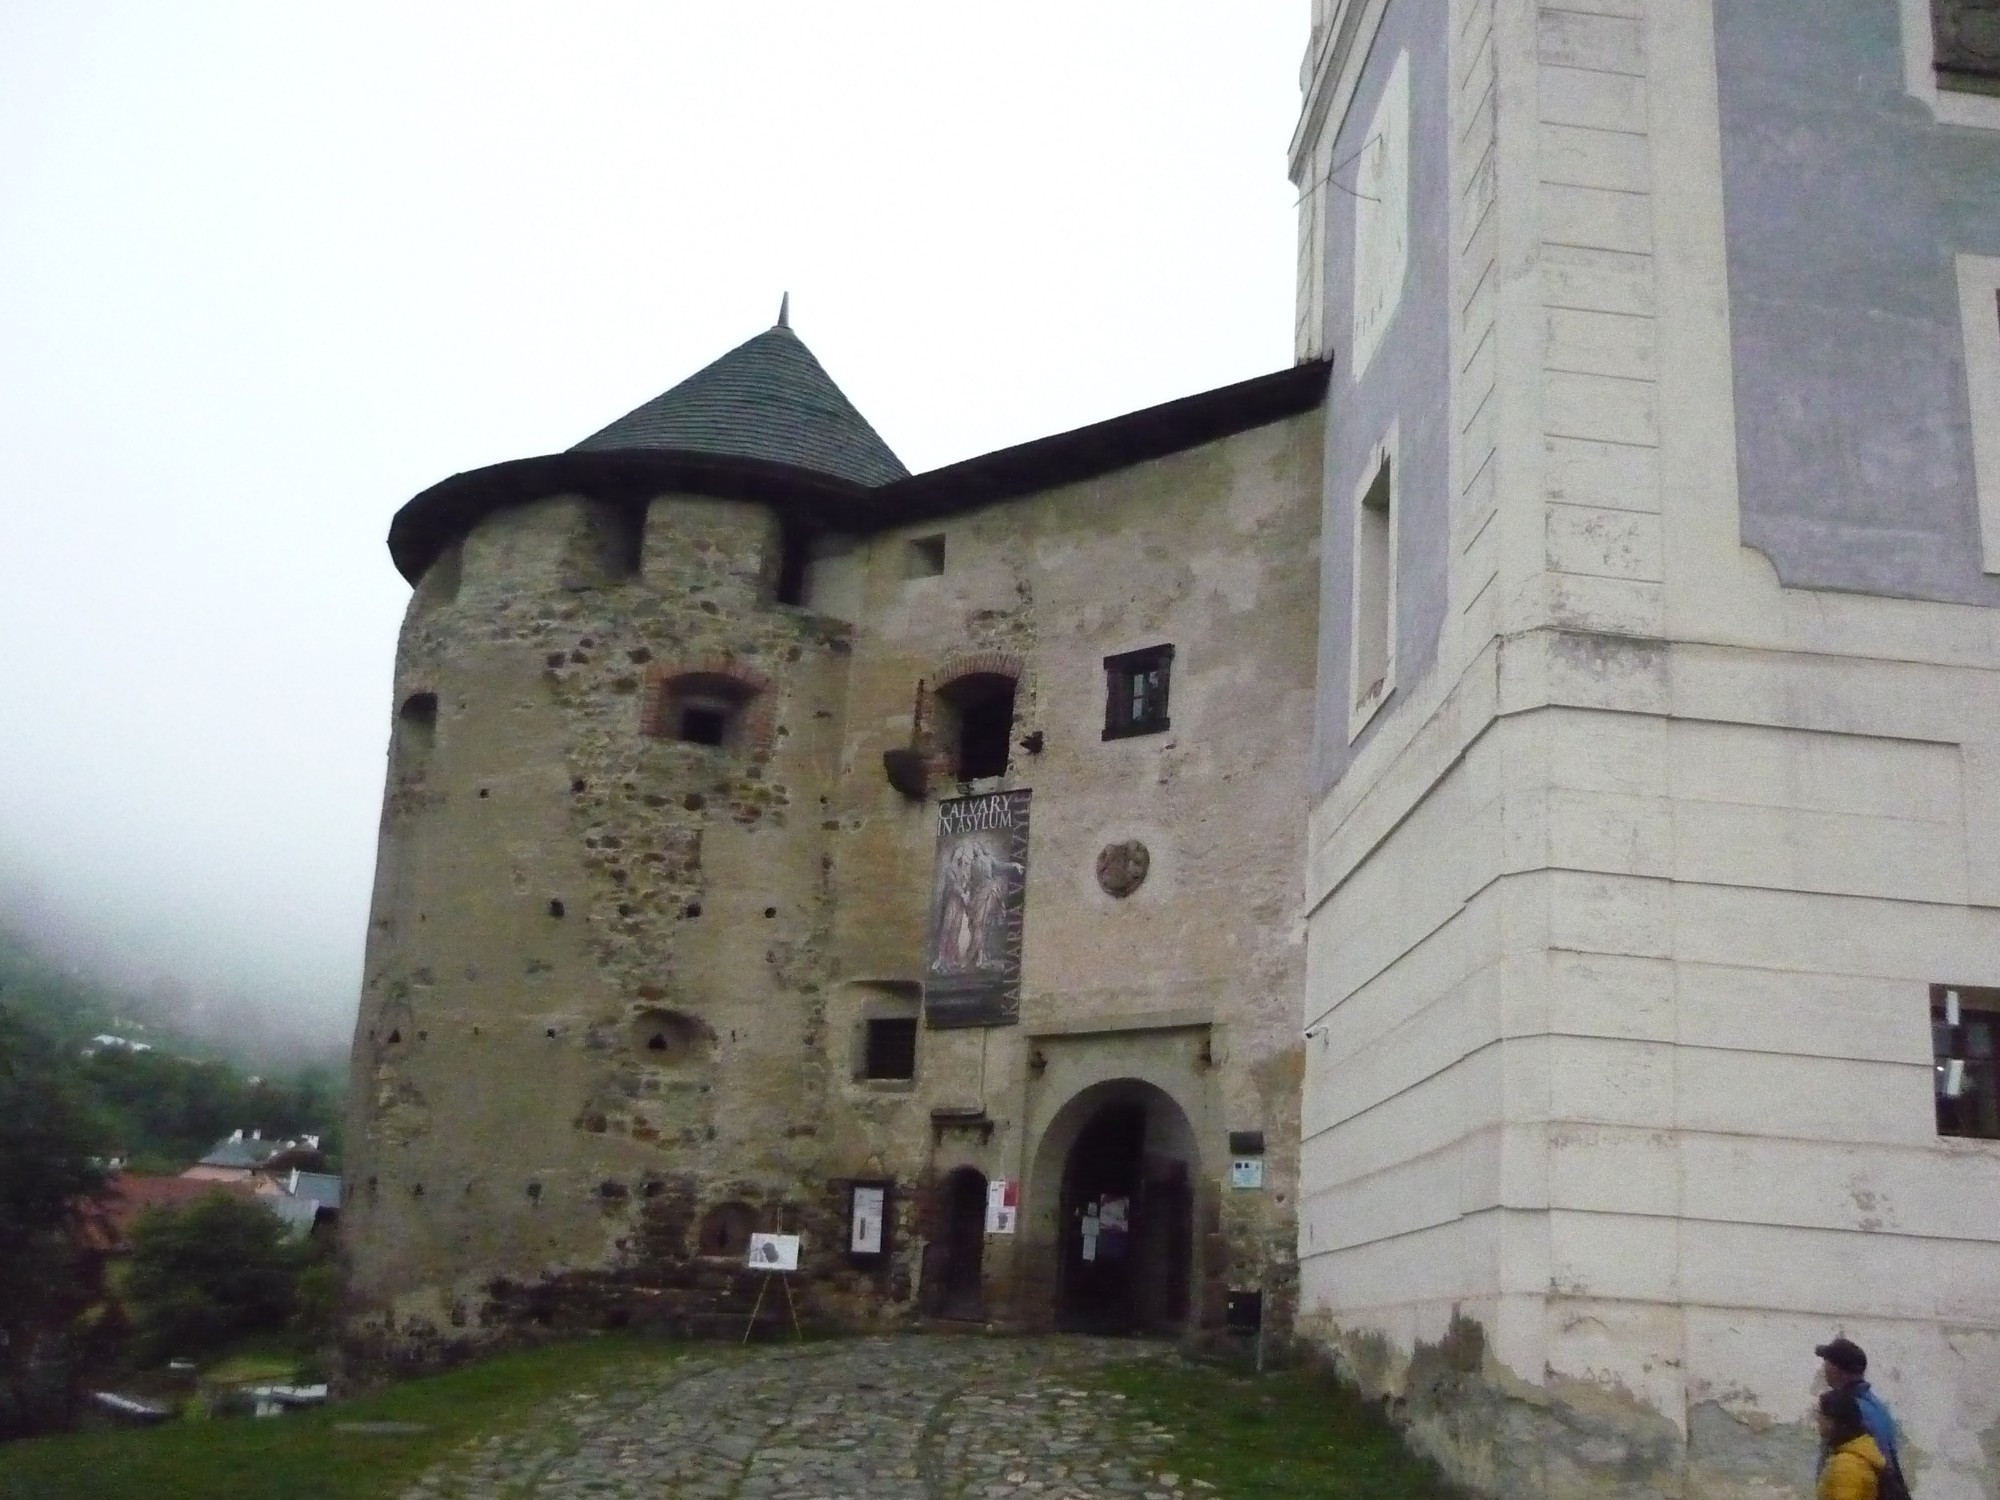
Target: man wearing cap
1845,1366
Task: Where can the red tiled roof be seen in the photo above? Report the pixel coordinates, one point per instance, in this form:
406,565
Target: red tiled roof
130,1194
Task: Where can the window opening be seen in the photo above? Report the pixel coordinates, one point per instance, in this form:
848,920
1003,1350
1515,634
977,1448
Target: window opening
608,546
793,555
703,708
1968,45
1374,638
1135,692
978,723
1965,1049
703,723
891,1051
924,557
416,732
725,1230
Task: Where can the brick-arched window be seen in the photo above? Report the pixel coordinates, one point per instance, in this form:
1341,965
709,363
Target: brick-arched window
970,715
712,702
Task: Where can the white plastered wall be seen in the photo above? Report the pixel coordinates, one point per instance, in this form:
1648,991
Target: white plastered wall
1623,923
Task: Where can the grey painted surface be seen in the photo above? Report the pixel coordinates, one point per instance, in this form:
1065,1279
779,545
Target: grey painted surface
1407,381
1846,204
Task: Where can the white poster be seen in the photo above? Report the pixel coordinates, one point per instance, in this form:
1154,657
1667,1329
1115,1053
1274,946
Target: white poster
774,1252
865,1225
1003,1206
1247,1172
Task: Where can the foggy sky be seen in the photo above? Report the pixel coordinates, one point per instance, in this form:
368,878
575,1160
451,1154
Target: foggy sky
268,270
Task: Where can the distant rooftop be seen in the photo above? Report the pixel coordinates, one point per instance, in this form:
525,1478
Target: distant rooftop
768,398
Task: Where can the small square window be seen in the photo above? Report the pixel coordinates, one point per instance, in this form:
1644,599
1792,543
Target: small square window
925,557
891,1050
703,724
1135,692
1965,1055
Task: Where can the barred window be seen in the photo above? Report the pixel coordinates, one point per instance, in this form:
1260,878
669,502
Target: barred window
1135,692
1965,1050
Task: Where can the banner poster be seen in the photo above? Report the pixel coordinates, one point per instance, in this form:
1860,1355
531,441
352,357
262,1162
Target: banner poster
972,976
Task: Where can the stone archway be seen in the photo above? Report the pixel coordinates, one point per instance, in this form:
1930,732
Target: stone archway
1118,1164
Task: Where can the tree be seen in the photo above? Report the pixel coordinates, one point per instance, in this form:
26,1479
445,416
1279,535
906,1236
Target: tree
207,1274
50,1144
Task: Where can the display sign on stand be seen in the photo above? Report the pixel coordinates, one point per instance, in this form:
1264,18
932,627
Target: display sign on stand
773,1255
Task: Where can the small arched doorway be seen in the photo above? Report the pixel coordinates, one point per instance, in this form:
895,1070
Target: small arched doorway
954,1258
1125,1255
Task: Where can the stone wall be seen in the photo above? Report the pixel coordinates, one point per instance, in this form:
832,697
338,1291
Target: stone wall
617,979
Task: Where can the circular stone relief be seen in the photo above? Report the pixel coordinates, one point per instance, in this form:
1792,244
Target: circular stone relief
1121,868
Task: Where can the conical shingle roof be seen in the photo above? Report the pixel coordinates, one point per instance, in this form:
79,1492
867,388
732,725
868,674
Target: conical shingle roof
767,398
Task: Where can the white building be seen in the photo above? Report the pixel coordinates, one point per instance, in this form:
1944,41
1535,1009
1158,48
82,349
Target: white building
1658,774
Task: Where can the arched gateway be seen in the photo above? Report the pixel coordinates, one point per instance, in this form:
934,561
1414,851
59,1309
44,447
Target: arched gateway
1117,1165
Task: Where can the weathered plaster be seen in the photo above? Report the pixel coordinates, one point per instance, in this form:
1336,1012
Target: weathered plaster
1401,386
1846,205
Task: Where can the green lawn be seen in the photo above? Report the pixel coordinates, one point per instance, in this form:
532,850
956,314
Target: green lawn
1289,1435
305,1456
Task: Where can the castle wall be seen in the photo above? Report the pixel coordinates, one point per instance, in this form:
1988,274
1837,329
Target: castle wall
1624,925
557,888
617,980
1189,983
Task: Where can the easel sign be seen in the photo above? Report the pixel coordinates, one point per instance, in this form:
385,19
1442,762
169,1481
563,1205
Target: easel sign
773,1255
774,1252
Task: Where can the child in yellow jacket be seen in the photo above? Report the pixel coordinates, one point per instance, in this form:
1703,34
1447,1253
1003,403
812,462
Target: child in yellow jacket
1854,1464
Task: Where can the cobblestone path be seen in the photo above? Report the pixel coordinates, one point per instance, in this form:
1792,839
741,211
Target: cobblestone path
940,1418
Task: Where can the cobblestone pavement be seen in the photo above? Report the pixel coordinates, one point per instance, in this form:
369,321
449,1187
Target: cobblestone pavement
939,1418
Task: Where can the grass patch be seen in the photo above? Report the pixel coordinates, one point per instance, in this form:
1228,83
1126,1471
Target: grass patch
1290,1435
305,1456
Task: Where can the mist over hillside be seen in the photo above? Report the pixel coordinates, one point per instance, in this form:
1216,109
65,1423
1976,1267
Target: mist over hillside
75,984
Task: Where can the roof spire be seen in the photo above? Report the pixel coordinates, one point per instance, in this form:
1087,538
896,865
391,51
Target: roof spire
785,311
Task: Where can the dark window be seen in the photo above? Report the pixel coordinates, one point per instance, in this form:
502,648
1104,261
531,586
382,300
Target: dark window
726,1229
892,1048
702,708
703,724
1965,1052
976,720
1135,692
793,555
925,557
1967,34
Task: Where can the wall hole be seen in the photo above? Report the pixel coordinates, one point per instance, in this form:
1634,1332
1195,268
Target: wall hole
770,911
924,556
725,1230
395,1037
667,1038
703,708
555,908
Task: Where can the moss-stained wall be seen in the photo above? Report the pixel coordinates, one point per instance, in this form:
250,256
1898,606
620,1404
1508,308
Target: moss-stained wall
616,980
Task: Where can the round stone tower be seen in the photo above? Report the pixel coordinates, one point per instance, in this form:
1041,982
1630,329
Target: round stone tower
590,1037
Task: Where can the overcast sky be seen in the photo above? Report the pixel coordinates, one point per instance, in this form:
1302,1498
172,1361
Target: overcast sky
267,270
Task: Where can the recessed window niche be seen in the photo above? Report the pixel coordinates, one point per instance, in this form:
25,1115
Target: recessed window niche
666,1038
